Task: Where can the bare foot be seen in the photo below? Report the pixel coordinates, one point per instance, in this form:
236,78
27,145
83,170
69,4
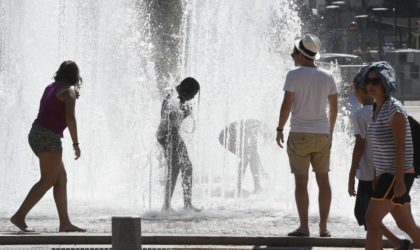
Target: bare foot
71,228
21,224
192,208
167,209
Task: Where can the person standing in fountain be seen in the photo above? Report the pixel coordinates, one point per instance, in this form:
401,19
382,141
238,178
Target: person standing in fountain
174,111
362,166
241,139
392,151
56,112
307,91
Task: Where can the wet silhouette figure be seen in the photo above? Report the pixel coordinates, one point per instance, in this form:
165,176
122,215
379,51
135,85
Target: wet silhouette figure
241,139
174,111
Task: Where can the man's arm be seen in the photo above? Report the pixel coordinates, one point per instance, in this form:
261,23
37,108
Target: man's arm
286,108
333,108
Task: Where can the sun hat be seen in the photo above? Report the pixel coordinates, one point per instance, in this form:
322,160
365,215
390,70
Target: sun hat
360,76
309,46
385,72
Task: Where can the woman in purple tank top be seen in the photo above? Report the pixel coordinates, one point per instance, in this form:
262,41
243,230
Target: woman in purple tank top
56,112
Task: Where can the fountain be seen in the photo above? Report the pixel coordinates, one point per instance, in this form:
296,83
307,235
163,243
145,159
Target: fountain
118,102
238,51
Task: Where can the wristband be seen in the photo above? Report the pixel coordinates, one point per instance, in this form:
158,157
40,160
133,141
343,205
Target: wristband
278,129
75,144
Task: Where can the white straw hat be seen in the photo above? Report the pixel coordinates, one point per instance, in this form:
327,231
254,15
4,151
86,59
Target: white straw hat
309,46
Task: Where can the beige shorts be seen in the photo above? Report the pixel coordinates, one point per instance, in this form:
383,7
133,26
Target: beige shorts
308,148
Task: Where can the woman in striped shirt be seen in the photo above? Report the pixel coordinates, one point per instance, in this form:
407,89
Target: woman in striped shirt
392,148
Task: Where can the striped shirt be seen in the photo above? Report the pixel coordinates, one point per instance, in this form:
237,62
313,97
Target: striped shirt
383,143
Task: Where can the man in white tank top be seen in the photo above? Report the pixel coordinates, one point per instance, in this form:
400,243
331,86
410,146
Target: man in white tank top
308,90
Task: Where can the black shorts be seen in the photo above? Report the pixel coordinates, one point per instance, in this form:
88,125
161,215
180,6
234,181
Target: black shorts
384,188
364,193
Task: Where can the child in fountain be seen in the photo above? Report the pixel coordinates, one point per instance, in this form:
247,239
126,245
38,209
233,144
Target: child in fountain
174,111
241,139
362,166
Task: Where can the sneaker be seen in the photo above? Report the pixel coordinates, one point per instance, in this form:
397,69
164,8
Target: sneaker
405,245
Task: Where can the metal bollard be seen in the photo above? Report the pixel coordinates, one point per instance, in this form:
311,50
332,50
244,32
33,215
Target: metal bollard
126,233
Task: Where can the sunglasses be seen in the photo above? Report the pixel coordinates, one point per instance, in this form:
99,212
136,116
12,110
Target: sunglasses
374,81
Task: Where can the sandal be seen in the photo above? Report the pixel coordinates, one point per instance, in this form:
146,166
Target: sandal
297,233
325,234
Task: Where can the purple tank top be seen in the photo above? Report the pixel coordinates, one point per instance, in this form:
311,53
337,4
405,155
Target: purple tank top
52,111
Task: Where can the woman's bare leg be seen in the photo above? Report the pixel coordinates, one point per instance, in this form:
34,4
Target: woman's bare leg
376,212
50,165
405,221
395,241
60,197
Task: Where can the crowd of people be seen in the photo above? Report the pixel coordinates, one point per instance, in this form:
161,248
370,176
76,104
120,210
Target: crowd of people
382,159
383,152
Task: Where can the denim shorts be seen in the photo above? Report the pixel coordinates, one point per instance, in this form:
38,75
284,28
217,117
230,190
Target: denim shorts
44,140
